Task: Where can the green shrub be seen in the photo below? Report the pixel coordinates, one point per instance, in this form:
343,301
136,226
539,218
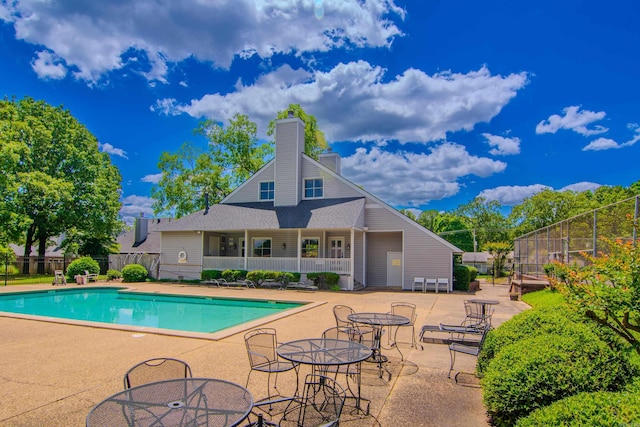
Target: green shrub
113,274
473,273
462,277
325,280
134,273
80,265
210,274
535,372
588,409
288,277
527,324
234,275
9,269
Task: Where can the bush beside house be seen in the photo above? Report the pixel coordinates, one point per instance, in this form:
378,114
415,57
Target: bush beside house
134,273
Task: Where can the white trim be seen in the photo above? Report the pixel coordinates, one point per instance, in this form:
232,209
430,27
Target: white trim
273,181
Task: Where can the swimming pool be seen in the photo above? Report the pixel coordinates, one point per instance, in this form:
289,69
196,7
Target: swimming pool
144,310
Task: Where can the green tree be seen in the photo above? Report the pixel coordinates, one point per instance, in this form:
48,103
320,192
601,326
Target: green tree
485,218
454,230
499,251
426,218
60,180
542,209
408,214
232,156
314,139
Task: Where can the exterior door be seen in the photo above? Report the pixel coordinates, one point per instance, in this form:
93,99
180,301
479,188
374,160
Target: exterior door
336,247
394,269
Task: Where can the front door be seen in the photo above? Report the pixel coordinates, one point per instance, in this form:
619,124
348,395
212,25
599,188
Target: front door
394,269
336,245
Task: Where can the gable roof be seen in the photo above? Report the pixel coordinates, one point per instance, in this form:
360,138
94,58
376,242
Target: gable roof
309,214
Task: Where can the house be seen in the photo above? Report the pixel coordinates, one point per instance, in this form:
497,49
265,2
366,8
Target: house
301,215
139,245
483,261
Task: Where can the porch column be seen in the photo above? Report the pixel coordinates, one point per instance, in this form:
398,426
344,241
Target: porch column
364,255
352,245
299,250
246,247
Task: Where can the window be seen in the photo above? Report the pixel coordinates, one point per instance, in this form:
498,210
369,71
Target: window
310,248
267,190
313,188
262,247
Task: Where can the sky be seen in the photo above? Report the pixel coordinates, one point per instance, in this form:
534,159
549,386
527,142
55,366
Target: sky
430,103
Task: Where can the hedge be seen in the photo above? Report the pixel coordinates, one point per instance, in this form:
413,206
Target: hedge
210,274
325,280
535,372
80,265
134,273
588,409
462,275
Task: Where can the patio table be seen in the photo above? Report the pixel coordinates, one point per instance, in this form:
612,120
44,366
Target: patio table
178,402
378,321
323,353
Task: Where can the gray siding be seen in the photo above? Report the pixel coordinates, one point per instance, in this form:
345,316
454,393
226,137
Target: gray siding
378,244
358,251
289,148
249,191
334,188
425,255
171,245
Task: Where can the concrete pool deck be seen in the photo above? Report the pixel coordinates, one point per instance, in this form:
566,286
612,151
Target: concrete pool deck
53,374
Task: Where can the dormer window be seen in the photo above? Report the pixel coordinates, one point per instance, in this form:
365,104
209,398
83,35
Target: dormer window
313,188
267,190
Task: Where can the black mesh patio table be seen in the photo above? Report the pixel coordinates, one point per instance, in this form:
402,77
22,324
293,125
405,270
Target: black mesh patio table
378,321
189,402
323,353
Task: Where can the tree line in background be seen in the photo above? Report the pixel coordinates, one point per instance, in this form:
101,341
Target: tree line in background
479,224
55,181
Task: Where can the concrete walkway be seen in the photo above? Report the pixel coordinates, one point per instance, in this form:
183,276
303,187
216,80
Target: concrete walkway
53,374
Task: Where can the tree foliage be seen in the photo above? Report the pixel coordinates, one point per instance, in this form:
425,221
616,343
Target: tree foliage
314,139
485,218
232,156
607,288
54,179
499,251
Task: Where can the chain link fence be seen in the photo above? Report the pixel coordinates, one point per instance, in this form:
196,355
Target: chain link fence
567,240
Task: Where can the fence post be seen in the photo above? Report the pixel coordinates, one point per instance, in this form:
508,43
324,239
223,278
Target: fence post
6,268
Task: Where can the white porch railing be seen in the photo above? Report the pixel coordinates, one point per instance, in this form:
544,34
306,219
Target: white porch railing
307,265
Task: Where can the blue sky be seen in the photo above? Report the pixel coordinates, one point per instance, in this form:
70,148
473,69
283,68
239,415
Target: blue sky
430,103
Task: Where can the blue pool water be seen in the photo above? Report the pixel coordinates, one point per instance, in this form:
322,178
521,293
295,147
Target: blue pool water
109,305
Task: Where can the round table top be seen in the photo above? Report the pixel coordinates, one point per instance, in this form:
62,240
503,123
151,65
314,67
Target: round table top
177,402
324,351
378,319
484,301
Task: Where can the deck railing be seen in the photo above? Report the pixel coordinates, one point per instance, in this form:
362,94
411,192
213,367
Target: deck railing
307,265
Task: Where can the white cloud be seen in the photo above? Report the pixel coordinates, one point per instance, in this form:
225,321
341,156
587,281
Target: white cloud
352,102
48,66
574,120
509,195
154,178
110,149
607,143
133,206
579,187
413,179
502,146
93,37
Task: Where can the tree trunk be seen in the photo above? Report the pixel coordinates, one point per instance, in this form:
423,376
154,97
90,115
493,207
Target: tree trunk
42,250
27,249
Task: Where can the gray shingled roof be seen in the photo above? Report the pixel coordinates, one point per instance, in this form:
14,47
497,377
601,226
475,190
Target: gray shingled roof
311,214
151,245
